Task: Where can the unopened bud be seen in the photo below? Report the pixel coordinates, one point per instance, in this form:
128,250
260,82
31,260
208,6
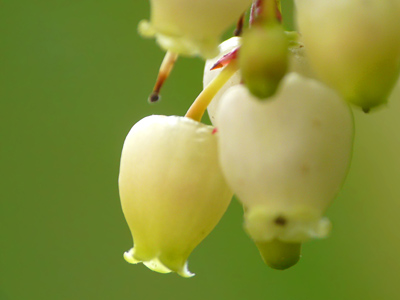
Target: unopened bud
279,255
263,58
298,63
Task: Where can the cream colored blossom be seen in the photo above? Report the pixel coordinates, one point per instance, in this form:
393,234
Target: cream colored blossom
353,45
192,27
285,158
172,190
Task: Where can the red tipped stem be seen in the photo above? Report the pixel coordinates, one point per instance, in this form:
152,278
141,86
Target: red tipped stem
226,59
239,27
165,69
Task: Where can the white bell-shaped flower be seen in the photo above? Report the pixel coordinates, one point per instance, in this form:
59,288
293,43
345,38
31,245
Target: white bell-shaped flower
353,45
285,158
172,190
191,27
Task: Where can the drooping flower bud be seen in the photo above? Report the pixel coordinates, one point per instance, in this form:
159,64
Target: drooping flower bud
286,159
263,58
298,63
191,27
172,190
353,45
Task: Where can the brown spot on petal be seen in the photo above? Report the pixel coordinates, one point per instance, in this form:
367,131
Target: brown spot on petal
305,169
280,221
316,123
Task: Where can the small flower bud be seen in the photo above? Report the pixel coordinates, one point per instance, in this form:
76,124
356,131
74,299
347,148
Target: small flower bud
190,27
354,46
298,63
279,255
172,190
263,58
286,159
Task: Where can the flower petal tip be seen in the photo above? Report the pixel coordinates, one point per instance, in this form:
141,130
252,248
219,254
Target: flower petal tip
156,265
183,45
185,272
296,226
128,256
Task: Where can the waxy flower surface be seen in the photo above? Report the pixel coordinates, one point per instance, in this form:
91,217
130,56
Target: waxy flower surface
285,158
353,45
172,190
192,27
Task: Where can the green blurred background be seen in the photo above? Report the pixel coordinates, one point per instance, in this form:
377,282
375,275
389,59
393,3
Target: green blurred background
74,78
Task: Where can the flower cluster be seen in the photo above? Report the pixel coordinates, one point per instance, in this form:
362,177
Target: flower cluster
283,129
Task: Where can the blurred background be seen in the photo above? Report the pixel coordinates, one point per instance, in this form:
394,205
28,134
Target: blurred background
74,78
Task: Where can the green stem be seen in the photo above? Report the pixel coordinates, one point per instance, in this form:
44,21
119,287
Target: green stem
199,106
268,10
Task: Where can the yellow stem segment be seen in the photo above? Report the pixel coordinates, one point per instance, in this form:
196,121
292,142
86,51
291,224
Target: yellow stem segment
199,106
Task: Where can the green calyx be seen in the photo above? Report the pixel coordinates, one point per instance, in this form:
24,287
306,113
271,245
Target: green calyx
263,58
279,255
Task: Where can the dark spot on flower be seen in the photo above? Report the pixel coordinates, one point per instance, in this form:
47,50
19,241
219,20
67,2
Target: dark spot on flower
304,168
316,123
280,221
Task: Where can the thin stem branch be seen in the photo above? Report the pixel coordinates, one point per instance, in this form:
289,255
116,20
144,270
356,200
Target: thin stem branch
165,69
199,106
239,26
